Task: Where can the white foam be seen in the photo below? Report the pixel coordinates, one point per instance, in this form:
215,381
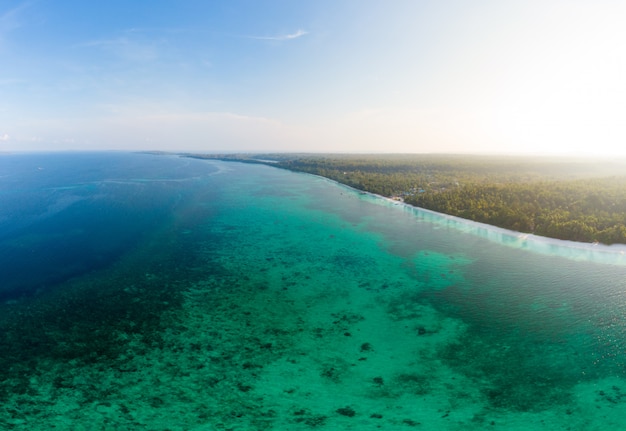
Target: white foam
592,252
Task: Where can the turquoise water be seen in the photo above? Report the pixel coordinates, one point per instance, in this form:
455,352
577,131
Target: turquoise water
164,293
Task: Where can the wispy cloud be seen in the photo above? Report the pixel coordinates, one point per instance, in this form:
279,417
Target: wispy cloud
11,81
289,36
9,20
125,48
4,137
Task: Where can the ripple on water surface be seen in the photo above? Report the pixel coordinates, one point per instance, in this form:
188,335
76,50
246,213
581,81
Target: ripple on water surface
263,299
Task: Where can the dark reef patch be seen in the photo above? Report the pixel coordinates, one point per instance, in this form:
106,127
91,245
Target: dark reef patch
91,320
512,377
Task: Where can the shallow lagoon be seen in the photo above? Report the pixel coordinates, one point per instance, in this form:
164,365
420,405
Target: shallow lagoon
257,298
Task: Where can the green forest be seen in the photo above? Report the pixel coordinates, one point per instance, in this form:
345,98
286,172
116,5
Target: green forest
565,198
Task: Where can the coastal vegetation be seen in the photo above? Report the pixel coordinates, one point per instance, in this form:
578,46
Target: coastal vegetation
565,198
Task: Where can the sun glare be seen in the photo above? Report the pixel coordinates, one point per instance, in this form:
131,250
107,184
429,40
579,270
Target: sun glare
564,92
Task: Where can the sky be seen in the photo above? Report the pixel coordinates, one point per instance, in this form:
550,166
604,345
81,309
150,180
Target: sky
403,76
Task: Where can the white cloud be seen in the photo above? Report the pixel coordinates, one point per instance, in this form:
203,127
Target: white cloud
4,137
290,36
196,131
131,129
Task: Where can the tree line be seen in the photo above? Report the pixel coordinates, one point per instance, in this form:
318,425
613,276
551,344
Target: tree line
570,199
564,198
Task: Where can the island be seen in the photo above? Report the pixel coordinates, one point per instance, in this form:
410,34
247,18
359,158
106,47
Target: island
577,199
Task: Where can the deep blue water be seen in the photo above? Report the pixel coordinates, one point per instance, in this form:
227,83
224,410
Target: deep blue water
63,215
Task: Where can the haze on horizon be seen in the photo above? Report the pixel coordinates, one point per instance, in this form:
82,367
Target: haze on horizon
487,76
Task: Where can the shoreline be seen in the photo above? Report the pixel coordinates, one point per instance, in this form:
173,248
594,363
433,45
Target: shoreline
474,227
596,252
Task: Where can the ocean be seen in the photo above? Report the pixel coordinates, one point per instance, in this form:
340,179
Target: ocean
158,292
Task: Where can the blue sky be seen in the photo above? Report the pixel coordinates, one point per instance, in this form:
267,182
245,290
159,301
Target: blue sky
314,75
